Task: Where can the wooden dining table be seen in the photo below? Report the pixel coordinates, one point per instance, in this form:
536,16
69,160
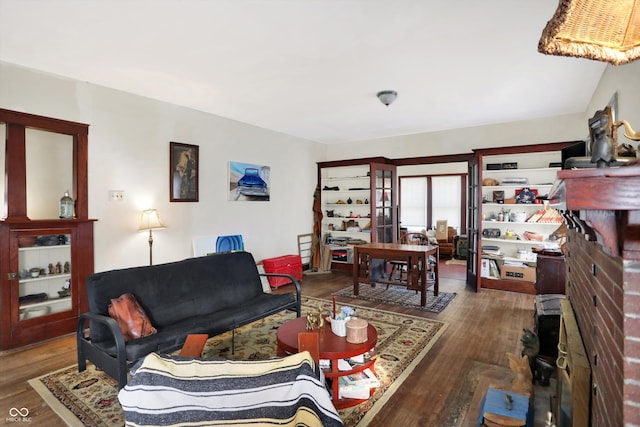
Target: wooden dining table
416,258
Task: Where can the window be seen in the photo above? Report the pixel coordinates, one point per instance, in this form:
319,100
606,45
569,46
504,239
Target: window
414,205
427,199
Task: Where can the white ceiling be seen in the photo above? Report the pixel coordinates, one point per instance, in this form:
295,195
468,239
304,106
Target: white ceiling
311,68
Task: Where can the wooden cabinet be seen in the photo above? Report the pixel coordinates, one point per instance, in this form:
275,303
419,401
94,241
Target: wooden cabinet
358,205
43,262
32,307
550,274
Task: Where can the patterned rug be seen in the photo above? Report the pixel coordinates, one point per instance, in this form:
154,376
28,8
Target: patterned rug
399,295
90,398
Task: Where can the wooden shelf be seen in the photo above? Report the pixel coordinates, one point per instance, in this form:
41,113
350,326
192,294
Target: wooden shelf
508,285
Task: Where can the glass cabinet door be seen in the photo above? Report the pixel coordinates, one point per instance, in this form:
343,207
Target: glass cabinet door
384,215
44,274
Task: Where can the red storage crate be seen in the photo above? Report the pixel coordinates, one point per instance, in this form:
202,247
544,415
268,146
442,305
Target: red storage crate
286,264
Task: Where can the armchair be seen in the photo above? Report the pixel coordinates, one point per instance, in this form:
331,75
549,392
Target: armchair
447,244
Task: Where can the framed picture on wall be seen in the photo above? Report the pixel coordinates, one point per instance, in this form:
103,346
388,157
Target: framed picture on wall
183,172
249,182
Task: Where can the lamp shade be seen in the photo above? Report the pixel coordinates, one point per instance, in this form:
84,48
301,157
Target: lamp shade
603,30
149,220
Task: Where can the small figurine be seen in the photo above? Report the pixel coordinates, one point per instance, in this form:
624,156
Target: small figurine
311,321
67,267
58,268
603,151
51,271
320,317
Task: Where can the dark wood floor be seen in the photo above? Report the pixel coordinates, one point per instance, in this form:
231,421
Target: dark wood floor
482,328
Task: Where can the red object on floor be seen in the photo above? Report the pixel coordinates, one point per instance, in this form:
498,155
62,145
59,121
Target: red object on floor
286,264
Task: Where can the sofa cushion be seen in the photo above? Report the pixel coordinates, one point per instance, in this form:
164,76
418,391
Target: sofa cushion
131,317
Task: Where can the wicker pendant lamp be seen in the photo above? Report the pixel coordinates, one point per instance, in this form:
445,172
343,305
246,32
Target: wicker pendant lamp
604,30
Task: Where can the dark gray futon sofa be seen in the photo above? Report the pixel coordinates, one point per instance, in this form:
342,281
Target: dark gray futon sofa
206,295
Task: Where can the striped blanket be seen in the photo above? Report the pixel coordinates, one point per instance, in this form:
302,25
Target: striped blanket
170,390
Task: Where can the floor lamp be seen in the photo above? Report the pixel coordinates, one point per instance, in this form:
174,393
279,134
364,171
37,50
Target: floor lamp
150,221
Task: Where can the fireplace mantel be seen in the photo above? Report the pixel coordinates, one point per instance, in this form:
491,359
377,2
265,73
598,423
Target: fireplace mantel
610,201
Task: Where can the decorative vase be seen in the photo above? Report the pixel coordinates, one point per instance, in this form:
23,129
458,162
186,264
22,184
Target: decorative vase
339,326
66,206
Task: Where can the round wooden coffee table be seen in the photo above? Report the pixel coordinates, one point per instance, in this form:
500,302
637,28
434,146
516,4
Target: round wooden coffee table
332,348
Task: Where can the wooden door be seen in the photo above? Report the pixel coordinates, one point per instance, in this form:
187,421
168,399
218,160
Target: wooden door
473,221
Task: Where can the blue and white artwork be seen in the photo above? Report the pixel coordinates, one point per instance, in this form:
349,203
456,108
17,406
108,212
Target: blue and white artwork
248,182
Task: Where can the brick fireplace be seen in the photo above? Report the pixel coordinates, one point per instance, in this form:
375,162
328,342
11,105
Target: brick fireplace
603,284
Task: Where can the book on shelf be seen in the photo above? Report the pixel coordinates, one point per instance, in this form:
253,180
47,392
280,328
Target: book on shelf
546,216
350,363
353,392
489,269
357,385
363,358
365,377
494,271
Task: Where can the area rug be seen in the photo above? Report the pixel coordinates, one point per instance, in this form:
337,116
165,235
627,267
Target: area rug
89,398
463,408
399,295
456,262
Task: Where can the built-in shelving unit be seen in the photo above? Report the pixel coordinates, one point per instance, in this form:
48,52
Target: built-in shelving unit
51,288
514,220
357,201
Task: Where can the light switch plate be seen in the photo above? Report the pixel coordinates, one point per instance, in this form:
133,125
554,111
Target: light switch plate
116,195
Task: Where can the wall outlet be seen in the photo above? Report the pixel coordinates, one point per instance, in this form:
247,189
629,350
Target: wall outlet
116,195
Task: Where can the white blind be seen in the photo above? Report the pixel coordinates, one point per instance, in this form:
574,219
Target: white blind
413,212
446,200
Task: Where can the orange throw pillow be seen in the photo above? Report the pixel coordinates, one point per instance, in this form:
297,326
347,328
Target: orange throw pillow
132,320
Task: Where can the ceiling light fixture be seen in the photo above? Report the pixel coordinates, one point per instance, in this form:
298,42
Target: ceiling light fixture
387,96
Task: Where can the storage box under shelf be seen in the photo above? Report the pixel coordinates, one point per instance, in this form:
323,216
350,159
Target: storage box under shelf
511,272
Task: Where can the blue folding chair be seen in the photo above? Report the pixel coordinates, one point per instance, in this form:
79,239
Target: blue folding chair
229,243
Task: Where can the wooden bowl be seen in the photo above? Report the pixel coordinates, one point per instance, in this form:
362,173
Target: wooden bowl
26,241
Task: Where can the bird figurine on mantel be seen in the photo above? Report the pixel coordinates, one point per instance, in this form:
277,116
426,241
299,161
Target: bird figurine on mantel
628,130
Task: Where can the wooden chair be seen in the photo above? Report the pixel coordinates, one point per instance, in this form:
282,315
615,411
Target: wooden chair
400,267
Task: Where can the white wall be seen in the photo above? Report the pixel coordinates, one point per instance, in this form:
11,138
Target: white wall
458,141
624,79
129,150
